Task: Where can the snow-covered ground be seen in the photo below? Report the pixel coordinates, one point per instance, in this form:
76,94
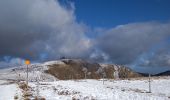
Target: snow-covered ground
93,89
110,90
8,90
20,73
53,89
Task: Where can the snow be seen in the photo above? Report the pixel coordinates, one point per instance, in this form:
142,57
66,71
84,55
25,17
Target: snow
159,87
53,62
95,89
8,91
21,74
52,89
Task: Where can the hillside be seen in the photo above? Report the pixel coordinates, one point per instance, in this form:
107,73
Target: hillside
166,73
67,69
80,69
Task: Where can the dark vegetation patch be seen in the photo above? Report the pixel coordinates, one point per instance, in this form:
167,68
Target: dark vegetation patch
73,69
127,73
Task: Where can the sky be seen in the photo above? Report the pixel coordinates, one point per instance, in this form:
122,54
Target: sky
110,13
134,33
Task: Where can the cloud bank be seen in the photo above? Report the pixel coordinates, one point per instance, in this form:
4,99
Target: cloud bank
125,44
30,28
45,29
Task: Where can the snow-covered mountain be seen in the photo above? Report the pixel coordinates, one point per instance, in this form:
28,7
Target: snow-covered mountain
35,71
80,69
67,69
52,86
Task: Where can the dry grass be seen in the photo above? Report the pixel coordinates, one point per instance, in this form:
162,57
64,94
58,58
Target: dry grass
73,70
15,97
65,72
27,94
39,98
27,98
23,86
127,73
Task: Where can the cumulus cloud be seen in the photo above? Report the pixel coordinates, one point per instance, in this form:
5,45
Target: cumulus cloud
29,28
45,29
126,43
161,57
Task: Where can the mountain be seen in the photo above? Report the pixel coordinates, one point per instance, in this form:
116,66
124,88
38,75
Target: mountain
166,73
80,69
35,71
67,69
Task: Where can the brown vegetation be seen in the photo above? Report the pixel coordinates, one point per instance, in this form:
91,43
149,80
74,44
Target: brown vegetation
15,97
39,98
72,69
127,73
23,85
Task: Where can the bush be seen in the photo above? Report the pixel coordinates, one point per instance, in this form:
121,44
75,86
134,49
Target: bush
15,97
27,94
23,86
39,98
27,98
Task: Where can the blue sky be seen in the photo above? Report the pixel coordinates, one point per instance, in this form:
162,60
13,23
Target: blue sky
110,13
107,14
135,33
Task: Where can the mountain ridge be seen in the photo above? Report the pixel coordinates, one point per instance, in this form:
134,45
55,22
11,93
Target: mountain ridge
66,69
75,69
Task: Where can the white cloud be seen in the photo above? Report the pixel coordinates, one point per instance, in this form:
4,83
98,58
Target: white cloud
31,27
126,43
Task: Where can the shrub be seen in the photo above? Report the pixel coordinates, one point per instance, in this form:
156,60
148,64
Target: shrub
15,97
27,98
39,98
23,86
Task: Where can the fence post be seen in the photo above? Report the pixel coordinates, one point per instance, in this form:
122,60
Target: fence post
149,83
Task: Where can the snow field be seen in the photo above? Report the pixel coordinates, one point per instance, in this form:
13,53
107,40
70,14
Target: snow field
91,89
8,90
94,89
